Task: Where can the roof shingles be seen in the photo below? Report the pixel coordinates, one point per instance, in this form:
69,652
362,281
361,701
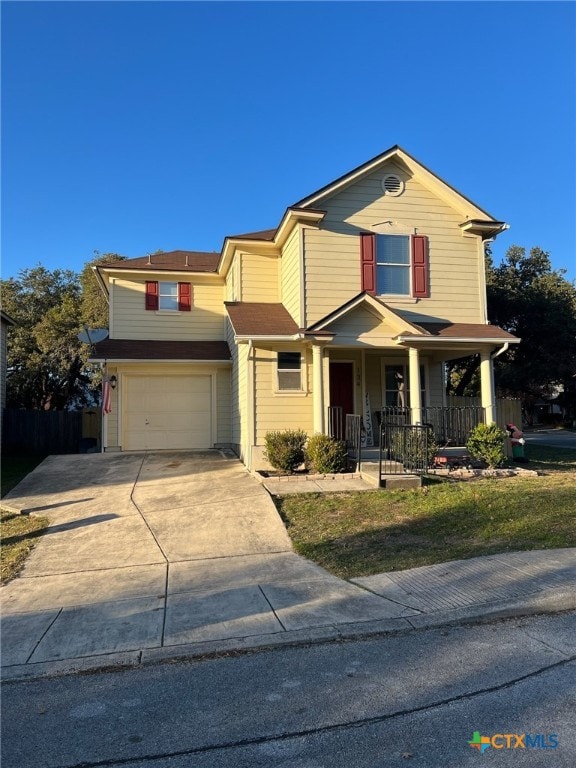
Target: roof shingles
466,331
176,261
255,318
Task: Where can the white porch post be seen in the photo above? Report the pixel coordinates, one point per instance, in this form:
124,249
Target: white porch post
488,396
318,387
414,374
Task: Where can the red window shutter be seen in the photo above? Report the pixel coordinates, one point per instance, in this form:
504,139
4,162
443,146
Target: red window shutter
419,266
151,294
368,261
184,297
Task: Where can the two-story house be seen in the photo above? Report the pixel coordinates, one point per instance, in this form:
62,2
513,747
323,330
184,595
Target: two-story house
360,295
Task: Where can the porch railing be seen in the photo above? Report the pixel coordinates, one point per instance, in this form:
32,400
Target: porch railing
453,425
450,425
353,438
404,449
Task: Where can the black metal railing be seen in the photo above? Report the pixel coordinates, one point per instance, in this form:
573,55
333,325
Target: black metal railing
353,438
405,449
453,425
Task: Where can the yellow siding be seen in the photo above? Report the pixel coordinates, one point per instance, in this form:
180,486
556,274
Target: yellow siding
259,278
364,328
238,393
291,276
205,321
279,411
235,437
223,406
333,251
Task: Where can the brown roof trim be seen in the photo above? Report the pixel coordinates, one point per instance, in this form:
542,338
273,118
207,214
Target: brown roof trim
152,349
173,261
466,330
255,318
263,234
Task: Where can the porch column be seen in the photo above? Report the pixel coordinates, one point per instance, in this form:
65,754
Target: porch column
414,375
318,387
488,396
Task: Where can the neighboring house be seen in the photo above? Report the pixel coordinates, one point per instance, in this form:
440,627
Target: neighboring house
5,322
360,295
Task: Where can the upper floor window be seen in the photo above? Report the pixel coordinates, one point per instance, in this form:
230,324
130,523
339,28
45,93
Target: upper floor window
394,265
169,296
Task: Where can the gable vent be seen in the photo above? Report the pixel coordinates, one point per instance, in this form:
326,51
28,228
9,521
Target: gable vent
392,185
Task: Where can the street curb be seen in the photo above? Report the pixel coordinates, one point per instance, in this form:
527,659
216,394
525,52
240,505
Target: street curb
552,600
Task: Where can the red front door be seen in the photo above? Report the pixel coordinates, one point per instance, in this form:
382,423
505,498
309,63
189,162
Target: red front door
341,394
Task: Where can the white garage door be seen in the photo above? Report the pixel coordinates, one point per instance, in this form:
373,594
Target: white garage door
167,412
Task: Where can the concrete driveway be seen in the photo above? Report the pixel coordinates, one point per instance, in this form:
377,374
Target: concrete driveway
152,551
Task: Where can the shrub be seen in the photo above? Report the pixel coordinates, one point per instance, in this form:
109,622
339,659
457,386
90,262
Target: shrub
285,450
486,443
326,455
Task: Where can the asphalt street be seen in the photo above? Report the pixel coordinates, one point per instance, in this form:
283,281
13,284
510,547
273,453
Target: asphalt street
554,438
414,698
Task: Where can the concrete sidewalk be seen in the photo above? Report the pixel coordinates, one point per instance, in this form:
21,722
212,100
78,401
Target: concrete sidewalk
165,555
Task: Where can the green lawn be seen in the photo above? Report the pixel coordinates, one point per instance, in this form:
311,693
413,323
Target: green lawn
358,534
18,533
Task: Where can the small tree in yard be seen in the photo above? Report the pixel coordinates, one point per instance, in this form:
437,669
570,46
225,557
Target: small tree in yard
486,443
285,450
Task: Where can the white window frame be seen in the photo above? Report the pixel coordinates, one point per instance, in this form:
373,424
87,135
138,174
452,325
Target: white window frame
289,390
166,295
390,362
408,266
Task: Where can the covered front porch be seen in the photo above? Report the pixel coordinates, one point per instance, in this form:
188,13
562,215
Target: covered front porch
369,359
398,386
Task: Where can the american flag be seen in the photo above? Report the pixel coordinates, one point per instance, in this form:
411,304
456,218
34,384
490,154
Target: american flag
106,396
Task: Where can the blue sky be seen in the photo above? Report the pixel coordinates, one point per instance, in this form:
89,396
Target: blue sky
136,126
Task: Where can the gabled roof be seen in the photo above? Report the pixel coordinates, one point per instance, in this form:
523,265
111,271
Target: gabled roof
256,319
174,261
376,306
139,349
395,152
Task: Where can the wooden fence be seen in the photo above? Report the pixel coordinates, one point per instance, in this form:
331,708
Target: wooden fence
50,431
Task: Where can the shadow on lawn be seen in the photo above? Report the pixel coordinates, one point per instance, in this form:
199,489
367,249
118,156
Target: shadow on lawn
547,459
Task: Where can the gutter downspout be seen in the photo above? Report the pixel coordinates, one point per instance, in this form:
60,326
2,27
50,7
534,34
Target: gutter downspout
503,348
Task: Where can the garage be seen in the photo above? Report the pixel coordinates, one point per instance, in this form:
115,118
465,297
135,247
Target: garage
167,412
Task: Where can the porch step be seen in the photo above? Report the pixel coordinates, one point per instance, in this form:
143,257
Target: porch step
370,473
